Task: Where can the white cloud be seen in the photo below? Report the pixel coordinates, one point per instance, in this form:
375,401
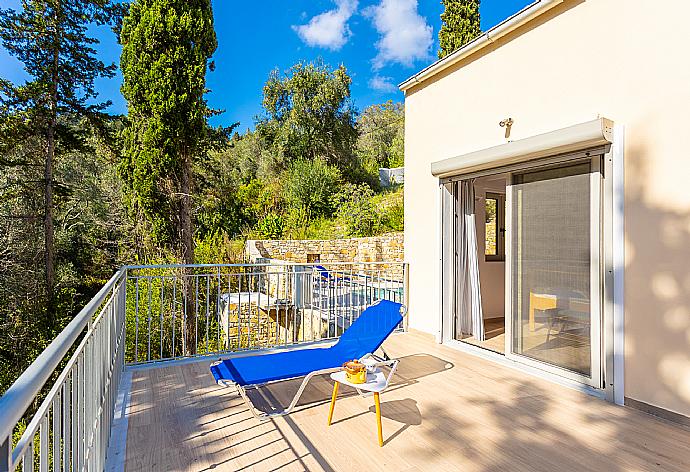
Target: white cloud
382,84
329,29
405,34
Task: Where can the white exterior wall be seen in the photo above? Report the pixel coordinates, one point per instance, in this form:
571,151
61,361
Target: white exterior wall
626,60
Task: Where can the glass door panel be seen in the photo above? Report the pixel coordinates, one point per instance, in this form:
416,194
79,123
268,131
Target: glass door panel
551,264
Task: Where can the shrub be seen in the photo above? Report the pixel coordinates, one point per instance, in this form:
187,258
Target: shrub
258,198
296,222
218,249
270,226
394,217
310,185
358,210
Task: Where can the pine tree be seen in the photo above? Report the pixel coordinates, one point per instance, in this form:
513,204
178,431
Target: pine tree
460,25
50,38
166,50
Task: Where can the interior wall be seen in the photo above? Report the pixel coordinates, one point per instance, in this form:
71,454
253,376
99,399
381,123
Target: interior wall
491,273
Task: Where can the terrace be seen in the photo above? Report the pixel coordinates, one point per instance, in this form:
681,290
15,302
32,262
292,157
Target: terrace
127,386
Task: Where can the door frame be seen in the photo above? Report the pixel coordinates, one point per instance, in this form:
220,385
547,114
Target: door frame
612,281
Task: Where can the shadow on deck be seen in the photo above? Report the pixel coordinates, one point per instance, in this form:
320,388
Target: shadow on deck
445,410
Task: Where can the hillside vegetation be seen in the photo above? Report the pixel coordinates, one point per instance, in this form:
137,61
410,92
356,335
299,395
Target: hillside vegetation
257,185
83,192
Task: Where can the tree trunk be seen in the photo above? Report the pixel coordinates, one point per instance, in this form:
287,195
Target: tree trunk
48,225
187,249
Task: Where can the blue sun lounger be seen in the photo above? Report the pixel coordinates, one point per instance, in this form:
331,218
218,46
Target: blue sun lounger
362,339
327,276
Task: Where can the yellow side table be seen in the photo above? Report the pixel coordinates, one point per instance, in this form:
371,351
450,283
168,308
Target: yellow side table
376,383
540,301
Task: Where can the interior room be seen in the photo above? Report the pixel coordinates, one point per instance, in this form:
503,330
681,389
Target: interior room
490,211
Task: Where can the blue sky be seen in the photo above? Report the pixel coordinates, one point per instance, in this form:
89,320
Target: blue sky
381,42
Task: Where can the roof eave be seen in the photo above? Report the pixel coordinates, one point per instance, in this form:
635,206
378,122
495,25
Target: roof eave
525,15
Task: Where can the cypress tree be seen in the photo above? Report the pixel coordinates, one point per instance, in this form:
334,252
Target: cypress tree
460,25
166,51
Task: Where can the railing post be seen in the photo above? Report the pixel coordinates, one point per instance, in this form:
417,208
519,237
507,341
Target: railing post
5,454
406,291
122,315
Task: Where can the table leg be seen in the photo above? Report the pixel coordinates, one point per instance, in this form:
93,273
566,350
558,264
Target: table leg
377,401
531,311
335,394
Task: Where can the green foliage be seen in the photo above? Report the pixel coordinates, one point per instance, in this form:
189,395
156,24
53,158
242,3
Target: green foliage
218,249
279,181
251,156
91,224
310,186
50,39
490,210
358,211
166,49
270,226
308,114
91,240
361,212
23,317
381,136
218,210
393,216
276,182
219,214
258,198
460,25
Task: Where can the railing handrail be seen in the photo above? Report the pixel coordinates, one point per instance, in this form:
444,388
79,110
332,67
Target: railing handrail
339,273
17,399
301,264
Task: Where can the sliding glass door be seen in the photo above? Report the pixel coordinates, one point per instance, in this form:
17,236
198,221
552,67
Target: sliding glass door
554,270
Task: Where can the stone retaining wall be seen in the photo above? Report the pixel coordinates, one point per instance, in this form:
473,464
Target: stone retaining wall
385,248
246,324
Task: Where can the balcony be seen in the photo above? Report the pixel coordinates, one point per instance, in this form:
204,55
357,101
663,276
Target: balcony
445,410
127,386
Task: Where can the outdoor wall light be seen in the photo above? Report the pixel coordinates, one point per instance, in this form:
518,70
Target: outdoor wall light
507,123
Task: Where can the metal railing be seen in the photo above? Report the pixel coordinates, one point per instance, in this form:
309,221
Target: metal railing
181,311
58,414
71,426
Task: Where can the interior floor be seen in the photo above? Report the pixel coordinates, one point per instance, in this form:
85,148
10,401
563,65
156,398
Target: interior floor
565,346
494,332
570,349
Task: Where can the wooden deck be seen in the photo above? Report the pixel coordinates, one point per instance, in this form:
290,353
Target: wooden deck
446,411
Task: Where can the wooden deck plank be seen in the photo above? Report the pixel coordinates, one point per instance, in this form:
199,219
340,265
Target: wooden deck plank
445,411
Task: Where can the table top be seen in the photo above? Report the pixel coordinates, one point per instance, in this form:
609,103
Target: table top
376,381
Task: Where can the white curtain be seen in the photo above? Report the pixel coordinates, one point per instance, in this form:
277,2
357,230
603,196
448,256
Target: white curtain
469,301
